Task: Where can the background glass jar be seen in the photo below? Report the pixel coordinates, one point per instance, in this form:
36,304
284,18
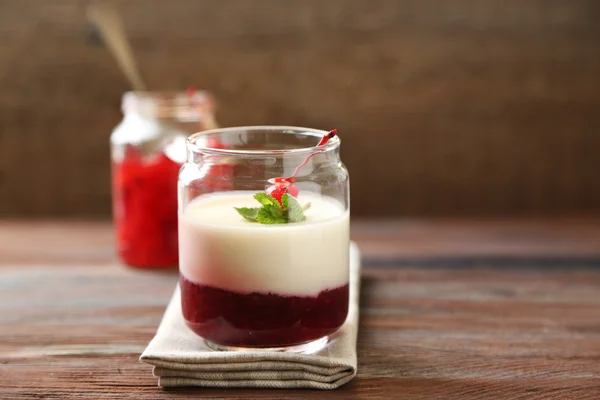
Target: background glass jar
246,284
147,150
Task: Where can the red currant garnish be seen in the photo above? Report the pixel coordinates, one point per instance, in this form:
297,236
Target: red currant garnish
277,191
280,187
284,185
293,190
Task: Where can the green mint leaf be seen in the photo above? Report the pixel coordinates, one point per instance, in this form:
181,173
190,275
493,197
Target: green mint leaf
284,201
266,200
272,207
293,208
265,216
272,212
249,213
276,211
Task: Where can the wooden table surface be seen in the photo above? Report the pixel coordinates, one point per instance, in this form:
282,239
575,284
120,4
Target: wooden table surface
450,309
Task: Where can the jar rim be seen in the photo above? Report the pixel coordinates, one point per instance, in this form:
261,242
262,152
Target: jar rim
180,105
296,130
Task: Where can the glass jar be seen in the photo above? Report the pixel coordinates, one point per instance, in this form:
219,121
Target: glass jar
278,284
147,151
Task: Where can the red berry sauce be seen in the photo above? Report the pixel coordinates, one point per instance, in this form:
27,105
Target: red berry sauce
261,319
145,210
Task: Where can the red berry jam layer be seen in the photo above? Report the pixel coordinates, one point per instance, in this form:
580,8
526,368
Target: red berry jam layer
145,210
261,320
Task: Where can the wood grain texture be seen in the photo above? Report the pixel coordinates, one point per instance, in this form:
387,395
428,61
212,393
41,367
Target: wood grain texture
73,326
478,107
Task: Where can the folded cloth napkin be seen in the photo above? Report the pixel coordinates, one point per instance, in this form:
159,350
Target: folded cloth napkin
181,358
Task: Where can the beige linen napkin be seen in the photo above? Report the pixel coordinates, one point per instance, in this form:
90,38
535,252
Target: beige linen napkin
181,358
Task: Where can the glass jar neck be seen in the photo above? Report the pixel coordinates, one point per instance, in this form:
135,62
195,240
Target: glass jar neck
285,148
170,106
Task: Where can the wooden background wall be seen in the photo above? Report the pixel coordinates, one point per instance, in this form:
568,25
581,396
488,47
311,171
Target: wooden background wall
446,107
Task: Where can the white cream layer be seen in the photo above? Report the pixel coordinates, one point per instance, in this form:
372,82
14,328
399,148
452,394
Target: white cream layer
218,247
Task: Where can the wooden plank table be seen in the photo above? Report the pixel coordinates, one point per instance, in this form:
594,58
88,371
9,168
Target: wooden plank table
450,309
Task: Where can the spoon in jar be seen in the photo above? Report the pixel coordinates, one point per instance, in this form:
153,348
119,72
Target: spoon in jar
107,20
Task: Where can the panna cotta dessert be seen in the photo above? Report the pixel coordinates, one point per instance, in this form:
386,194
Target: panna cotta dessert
264,270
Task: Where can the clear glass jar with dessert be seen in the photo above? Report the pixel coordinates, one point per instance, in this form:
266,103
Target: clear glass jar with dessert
264,237
147,151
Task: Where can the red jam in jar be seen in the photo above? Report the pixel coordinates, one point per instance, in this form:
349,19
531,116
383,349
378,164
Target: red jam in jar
148,149
145,202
